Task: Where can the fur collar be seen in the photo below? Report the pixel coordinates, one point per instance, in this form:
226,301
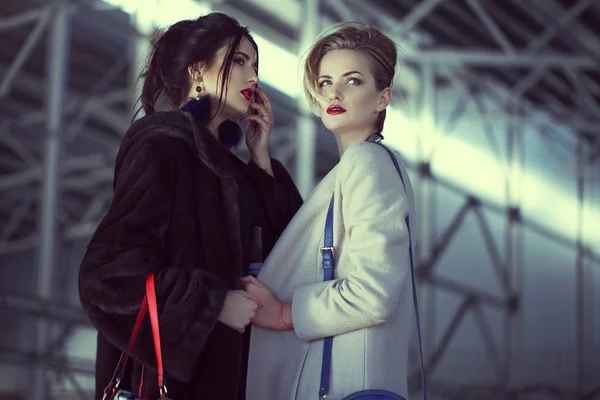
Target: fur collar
187,124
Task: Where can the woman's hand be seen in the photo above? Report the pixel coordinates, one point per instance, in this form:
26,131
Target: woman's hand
238,310
260,125
270,314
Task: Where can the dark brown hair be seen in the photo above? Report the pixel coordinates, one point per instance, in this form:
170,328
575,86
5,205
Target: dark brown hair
186,43
380,50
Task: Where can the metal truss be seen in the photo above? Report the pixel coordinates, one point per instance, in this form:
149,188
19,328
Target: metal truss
507,264
494,392
76,189
66,183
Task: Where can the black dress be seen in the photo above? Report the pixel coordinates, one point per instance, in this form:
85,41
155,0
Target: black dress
257,238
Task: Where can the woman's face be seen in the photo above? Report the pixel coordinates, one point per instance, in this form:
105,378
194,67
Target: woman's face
243,79
349,100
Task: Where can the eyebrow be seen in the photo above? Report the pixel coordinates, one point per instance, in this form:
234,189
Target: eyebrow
246,56
344,75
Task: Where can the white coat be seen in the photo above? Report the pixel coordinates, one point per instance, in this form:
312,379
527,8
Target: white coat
367,307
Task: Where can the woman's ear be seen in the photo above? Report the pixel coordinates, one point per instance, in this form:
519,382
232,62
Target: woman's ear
194,72
384,99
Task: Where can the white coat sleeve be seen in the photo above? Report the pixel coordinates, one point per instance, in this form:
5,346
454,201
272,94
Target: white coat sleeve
374,206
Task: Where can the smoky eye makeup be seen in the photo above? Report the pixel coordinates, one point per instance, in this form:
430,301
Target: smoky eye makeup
327,82
327,78
241,56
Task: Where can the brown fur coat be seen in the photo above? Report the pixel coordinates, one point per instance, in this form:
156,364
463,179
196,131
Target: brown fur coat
175,213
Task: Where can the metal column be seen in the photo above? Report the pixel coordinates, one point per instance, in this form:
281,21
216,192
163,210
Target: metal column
306,126
426,206
58,56
514,245
142,23
583,305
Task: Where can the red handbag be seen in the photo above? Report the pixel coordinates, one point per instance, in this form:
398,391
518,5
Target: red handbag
112,391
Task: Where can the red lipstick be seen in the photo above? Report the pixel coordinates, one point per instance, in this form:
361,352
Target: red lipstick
247,93
335,109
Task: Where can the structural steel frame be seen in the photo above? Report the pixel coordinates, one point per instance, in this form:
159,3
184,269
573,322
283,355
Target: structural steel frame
56,173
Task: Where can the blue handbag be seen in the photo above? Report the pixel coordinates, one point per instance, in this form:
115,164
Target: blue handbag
328,265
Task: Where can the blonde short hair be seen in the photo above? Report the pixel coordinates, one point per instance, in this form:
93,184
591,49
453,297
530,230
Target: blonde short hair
379,49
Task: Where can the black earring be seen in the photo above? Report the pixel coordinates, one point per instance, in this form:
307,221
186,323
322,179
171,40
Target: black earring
229,134
198,90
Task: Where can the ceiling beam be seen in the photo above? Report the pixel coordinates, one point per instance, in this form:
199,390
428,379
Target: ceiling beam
484,58
416,14
564,20
491,26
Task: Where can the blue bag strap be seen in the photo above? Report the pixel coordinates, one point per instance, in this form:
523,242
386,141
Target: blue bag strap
327,253
328,262
254,268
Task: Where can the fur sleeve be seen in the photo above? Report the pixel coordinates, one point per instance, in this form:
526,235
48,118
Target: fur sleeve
376,257
279,194
128,244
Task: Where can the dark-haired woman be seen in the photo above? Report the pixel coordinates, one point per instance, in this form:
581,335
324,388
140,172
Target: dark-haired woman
188,210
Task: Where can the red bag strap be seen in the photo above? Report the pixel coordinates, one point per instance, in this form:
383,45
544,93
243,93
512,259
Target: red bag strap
151,296
148,304
119,372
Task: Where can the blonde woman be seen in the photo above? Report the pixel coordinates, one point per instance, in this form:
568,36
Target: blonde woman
367,308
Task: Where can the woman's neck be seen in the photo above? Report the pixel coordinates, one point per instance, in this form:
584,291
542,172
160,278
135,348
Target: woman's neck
214,123
347,139
203,108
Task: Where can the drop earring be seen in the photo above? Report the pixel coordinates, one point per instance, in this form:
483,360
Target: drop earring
199,105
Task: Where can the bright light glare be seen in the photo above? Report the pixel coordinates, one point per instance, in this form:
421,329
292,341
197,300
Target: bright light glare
478,171
278,67
280,72
164,12
171,11
472,168
128,6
